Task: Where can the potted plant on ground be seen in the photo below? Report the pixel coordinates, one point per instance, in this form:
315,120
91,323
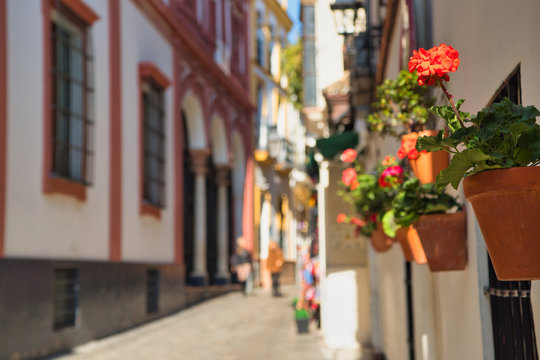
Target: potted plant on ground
302,317
497,153
370,195
401,110
434,234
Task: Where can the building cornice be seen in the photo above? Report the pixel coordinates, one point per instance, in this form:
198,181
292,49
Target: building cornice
176,31
280,13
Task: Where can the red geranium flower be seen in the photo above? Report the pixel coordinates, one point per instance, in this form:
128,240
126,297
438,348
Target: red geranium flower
341,218
348,155
391,175
358,221
388,160
408,149
348,176
433,65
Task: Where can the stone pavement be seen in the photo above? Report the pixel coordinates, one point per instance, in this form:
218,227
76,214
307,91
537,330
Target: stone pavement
230,327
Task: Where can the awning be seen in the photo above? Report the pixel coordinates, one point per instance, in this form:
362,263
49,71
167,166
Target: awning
336,144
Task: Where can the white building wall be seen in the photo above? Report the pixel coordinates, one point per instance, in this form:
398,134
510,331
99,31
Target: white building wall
50,226
344,279
451,313
144,238
328,47
489,50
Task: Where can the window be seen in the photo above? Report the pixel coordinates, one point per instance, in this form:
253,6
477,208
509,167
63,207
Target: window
272,65
260,39
152,291
153,84
68,97
154,144
65,298
72,96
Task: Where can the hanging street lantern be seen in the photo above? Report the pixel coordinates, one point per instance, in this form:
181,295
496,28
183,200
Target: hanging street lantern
349,16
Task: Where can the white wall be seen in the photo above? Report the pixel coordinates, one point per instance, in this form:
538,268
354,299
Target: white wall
329,49
144,238
451,314
345,291
39,225
489,50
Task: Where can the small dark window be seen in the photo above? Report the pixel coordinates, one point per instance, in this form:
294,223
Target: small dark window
154,144
510,88
72,96
65,298
152,291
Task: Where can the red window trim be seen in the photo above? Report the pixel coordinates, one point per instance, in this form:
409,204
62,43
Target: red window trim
150,210
150,70
83,11
58,185
52,184
3,120
115,129
147,70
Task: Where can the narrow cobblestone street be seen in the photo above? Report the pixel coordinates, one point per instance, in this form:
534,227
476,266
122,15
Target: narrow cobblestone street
230,327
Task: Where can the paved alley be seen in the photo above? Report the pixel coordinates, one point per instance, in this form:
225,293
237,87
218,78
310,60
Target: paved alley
230,327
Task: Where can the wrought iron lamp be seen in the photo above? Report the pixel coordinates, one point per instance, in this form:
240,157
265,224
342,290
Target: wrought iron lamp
349,16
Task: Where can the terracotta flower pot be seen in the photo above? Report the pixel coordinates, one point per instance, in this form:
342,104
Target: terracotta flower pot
506,203
429,164
379,240
444,240
411,245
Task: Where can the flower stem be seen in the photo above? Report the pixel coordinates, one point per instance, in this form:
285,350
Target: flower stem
451,103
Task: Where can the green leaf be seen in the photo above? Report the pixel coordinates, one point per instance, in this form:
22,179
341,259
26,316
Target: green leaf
530,141
484,166
429,143
444,111
389,224
435,208
459,165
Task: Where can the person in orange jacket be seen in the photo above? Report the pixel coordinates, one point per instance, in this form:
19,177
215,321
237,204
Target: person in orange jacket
274,263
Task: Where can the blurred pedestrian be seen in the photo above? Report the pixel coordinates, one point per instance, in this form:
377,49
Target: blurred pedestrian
274,263
241,263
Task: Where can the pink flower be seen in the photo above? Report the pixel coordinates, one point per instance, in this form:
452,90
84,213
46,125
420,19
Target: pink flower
348,176
348,155
391,175
358,221
341,218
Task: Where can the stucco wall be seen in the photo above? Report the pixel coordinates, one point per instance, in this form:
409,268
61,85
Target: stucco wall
58,226
329,49
39,225
390,267
492,38
144,238
345,290
451,313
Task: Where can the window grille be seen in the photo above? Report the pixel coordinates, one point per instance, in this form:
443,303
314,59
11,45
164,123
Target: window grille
65,298
72,96
154,144
152,291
